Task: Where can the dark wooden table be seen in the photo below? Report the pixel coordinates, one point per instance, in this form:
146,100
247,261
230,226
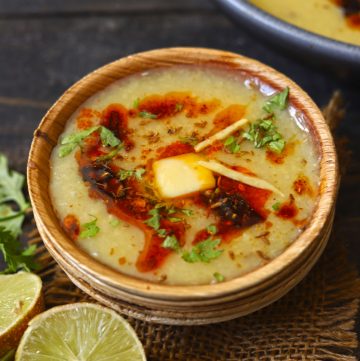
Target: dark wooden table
47,45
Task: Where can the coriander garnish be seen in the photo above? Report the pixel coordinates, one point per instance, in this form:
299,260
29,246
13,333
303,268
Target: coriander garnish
171,242
204,251
89,229
146,114
136,103
276,206
114,222
71,141
125,173
212,229
232,145
154,220
279,100
218,277
264,133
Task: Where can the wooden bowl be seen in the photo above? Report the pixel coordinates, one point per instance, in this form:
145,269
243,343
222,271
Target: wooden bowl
182,304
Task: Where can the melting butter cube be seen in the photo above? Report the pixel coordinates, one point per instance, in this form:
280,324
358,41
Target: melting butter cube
181,175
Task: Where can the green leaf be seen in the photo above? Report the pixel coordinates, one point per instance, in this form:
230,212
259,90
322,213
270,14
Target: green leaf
15,257
89,229
71,141
218,277
276,206
127,173
108,138
139,173
124,174
277,146
11,220
212,229
232,145
264,133
279,100
204,251
145,114
66,149
175,219
171,242
154,220
162,232
187,212
78,137
136,103
114,222
11,184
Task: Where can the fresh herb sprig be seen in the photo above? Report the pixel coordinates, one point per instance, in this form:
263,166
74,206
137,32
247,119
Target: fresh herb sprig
89,229
148,115
71,141
204,251
11,184
264,133
11,219
124,174
15,257
232,144
279,100
171,242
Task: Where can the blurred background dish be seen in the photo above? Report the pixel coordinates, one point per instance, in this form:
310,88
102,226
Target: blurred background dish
267,20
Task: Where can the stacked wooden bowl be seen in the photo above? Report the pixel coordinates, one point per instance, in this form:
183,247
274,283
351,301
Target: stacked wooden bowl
182,305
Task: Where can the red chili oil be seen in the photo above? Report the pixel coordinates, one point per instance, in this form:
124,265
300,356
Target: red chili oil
72,226
288,210
302,186
115,118
168,105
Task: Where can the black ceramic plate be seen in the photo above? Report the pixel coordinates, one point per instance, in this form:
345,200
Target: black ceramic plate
316,48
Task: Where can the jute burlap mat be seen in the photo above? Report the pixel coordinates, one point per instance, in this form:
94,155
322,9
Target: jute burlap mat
315,321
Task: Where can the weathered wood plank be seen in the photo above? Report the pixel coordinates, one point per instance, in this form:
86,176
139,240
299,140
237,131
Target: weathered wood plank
38,7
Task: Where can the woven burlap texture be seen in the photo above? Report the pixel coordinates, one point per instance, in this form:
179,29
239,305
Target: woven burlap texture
315,321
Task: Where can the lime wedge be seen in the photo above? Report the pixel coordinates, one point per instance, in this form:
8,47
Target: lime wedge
20,300
79,332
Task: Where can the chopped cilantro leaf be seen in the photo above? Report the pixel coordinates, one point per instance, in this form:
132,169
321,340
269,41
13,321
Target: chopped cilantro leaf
71,141
125,173
154,220
136,103
145,114
276,206
114,222
171,242
139,173
212,229
15,257
264,133
162,232
175,219
232,145
204,251
89,229
218,277
279,100
187,212
108,138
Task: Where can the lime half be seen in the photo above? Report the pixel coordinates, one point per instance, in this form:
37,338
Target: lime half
20,300
80,332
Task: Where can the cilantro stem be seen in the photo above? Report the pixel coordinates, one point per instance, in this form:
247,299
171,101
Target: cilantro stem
8,218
